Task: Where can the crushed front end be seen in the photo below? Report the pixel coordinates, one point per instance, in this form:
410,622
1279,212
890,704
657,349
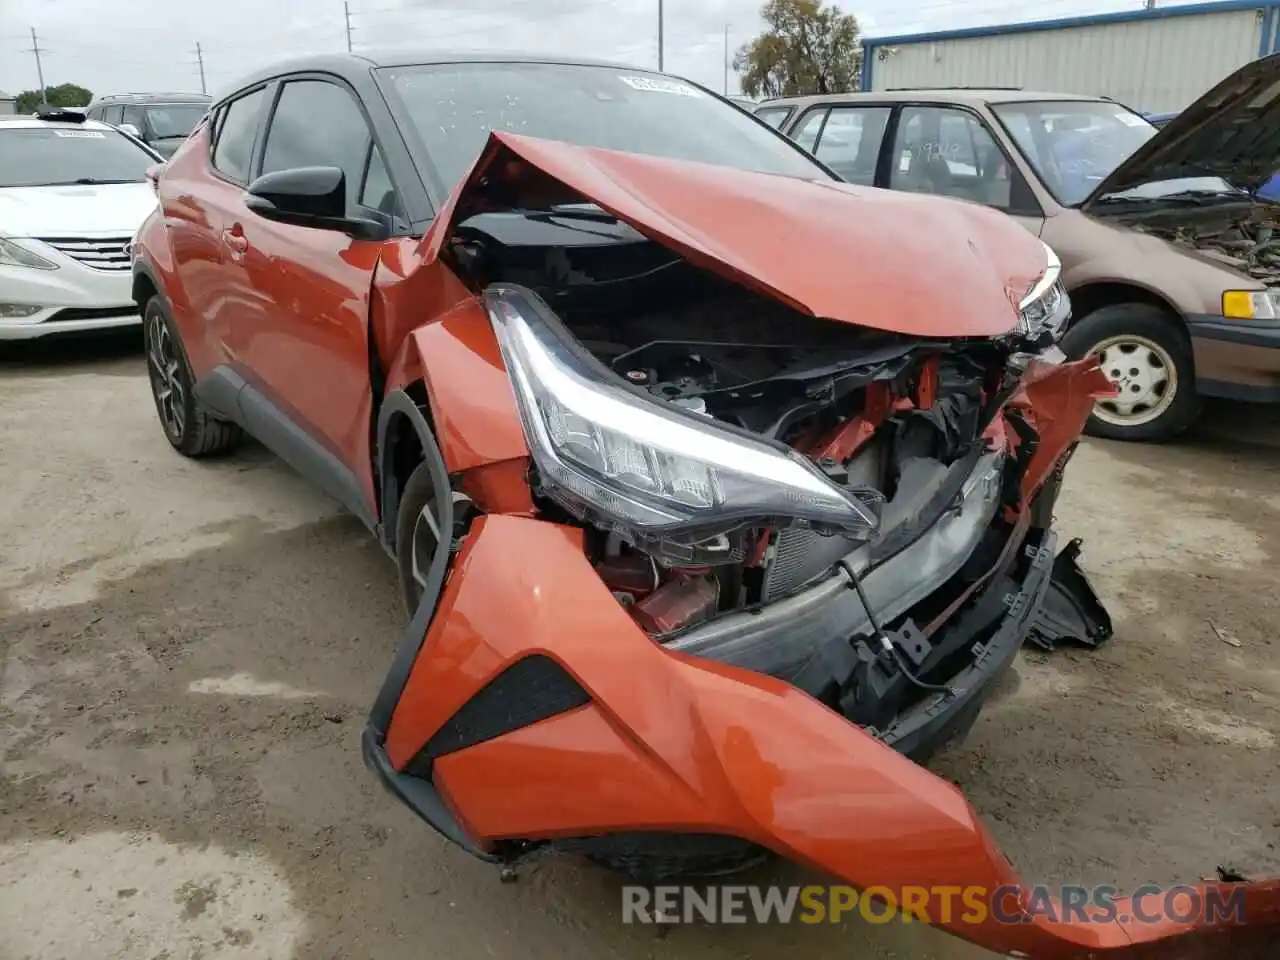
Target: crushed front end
749,566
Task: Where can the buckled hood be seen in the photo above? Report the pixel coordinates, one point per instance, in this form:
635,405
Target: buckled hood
911,264
1232,132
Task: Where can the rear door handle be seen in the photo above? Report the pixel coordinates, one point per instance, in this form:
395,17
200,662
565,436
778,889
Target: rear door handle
235,240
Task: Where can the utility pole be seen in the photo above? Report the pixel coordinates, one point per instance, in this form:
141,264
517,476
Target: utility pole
35,48
200,60
346,9
726,59
659,36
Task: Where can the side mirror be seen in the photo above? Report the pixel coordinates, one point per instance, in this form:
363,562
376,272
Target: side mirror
131,130
310,197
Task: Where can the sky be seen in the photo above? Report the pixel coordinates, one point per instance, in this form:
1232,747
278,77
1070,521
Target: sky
148,45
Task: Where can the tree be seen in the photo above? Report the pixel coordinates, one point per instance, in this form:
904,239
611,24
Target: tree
808,48
63,95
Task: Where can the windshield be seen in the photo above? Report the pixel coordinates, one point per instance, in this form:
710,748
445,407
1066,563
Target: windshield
453,108
54,156
174,119
1075,144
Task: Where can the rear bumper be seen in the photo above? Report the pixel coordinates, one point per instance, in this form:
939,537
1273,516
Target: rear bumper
1236,359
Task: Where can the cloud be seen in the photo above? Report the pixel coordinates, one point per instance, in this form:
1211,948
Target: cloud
143,45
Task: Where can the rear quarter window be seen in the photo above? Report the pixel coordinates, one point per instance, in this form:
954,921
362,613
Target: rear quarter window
237,128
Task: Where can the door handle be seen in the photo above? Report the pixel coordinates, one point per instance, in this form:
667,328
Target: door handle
235,240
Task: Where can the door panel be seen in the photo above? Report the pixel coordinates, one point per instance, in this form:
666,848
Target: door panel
300,330
203,189
300,326
197,194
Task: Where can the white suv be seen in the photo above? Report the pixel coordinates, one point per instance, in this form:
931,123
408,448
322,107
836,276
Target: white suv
73,193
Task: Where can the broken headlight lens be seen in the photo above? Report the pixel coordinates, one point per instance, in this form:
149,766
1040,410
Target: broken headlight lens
1046,306
665,479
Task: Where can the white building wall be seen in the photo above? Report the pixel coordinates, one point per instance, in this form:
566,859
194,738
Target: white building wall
1158,65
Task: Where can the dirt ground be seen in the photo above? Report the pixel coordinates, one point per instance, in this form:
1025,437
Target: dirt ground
187,652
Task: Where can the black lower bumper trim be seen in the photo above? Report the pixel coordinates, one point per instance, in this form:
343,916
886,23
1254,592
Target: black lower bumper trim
1072,612
943,717
418,795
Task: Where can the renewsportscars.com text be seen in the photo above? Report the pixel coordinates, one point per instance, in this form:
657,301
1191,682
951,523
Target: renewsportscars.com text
941,904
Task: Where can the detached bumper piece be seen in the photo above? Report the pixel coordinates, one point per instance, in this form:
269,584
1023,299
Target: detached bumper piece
1072,612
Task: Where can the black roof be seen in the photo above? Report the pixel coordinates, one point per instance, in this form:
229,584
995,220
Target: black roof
349,65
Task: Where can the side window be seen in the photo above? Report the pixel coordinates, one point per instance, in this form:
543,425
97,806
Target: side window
319,124
237,127
774,116
377,191
135,116
112,115
851,142
948,151
807,133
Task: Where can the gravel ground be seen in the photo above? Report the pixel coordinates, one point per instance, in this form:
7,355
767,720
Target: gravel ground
187,652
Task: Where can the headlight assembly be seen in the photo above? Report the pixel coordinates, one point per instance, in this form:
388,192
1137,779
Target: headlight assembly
13,255
665,479
1045,308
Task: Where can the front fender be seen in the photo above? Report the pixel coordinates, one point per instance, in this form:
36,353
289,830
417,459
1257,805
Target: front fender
472,406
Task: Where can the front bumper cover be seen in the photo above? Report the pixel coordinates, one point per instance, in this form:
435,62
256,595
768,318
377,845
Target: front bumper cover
669,742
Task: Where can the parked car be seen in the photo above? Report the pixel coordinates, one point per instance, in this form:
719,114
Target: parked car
702,540
1268,191
161,120
72,194
1167,255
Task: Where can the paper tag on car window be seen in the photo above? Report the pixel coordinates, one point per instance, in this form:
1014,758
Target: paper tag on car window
1130,119
80,134
660,85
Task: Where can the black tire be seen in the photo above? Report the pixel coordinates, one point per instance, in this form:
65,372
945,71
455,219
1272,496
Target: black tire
1157,327
656,858
418,495
189,425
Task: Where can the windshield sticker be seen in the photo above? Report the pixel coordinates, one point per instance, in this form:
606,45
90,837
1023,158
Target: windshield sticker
81,134
658,85
1130,119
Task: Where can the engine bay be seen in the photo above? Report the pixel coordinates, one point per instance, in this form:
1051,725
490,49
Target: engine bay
882,413
1246,241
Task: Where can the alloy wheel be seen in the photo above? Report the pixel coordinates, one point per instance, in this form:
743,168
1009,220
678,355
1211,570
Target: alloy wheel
1145,377
166,376
426,535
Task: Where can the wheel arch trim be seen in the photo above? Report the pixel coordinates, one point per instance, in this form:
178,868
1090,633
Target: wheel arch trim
397,404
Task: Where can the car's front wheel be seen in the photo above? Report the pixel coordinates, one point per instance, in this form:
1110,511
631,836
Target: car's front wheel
1146,354
190,427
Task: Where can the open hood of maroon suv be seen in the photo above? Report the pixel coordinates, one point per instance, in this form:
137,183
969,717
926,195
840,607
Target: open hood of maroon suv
916,265
1232,132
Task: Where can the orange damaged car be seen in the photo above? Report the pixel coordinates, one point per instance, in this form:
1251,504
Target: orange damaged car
720,491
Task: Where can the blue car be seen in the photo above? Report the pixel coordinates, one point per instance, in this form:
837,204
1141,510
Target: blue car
1268,191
